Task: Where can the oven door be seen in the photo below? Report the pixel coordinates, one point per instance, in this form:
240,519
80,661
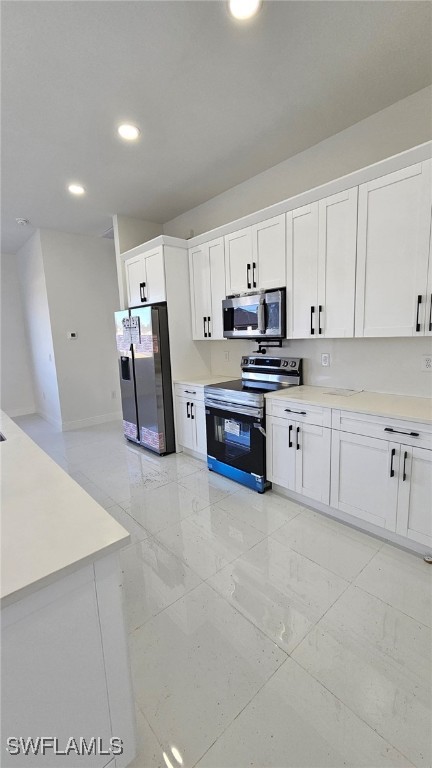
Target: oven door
236,439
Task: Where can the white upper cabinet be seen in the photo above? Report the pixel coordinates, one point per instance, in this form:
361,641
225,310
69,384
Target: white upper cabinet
207,284
217,286
255,257
155,276
199,266
321,258
145,278
135,278
302,271
238,261
392,253
337,247
268,253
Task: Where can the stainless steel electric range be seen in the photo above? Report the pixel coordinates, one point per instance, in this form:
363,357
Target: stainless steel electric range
235,418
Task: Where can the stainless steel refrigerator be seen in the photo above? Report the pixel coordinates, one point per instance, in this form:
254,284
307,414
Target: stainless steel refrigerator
145,377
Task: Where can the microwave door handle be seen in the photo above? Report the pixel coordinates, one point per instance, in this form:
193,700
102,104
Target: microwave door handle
261,316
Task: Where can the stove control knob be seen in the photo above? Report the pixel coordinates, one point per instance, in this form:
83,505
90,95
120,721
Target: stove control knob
284,363
292,363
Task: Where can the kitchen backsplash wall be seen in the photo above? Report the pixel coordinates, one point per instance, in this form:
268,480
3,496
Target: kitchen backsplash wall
377,365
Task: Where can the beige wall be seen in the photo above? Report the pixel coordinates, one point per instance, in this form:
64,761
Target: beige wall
395,129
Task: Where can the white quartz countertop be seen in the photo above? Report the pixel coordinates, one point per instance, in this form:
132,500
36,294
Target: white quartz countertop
206,382
396,406
49,525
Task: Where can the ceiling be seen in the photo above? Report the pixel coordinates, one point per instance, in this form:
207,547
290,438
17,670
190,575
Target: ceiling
217,101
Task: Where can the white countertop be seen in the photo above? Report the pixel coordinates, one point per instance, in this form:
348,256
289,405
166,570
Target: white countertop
206,382
49,525
396,406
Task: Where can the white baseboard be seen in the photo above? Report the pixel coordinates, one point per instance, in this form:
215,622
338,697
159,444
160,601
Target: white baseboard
92,421
13,412
353,522
49,419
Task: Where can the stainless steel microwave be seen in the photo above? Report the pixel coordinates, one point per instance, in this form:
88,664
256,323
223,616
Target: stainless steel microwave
255,315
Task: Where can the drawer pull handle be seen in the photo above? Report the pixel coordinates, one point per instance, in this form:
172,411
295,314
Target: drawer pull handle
298,444
189,392
398,432
404,466
289,436
391,462
301,413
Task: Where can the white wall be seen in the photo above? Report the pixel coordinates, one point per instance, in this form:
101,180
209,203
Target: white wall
38,324
378,365
395,129
82,293
16,387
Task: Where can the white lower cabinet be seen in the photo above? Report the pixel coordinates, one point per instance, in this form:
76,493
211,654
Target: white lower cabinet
414,513
364,478
361,473
191,424
298,457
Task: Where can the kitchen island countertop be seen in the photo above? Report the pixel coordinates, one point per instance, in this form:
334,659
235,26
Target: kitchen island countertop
50,526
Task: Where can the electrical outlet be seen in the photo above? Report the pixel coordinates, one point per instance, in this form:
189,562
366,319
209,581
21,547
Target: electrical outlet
426,363
227,356
325,359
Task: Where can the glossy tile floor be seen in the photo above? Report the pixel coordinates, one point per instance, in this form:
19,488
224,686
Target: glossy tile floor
260,633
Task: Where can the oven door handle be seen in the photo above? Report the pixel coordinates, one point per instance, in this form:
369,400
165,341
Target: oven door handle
242,410
261,429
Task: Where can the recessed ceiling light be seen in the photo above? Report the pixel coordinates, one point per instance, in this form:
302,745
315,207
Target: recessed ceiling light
128,132
244,9
76,189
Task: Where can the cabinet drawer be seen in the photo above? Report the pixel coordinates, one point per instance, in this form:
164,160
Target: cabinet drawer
396,430
297,411
190,391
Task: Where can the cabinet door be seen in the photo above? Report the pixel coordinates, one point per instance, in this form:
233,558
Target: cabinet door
302,272
269,253
135,277
155,276
428,303
337,264
198,413
281,452
185,425
364,478
392,253
414,511
200,290
238,261
217,286
312,463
